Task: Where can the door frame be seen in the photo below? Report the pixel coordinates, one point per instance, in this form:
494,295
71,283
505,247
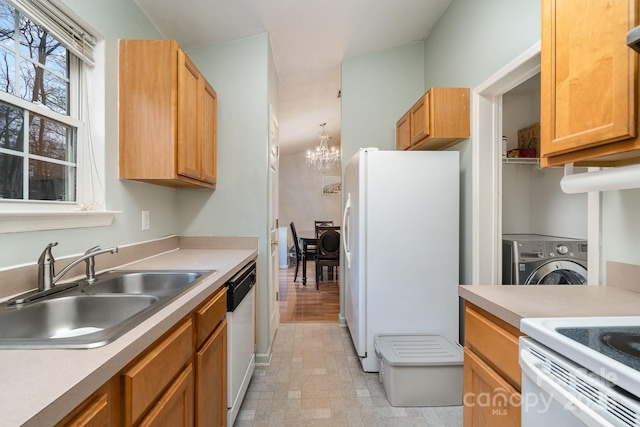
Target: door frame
486,131
274,265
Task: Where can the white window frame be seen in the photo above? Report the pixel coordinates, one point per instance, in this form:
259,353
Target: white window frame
86,99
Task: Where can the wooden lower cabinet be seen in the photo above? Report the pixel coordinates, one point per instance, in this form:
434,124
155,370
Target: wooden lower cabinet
491,371
180,380
145,381
175,407
489,400
211,388
98,410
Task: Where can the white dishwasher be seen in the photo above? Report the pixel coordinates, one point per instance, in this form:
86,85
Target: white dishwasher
240,337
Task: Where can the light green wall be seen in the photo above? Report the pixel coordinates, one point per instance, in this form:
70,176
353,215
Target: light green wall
620,227
468,45
377,89
239,72
113,19
474,39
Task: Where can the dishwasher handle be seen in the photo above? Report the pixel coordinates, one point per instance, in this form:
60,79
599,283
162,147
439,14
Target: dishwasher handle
531,368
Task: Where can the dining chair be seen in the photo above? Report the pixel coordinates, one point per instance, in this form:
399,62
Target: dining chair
327,252
317,224
309,254
321,228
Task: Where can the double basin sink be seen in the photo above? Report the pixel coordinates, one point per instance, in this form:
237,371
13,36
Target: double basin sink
89,315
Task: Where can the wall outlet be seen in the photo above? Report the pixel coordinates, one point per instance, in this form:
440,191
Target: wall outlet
145,220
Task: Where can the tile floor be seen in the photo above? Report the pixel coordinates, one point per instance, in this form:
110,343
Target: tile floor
315,379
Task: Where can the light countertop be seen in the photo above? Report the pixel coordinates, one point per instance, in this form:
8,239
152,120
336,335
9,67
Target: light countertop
40,387
513,303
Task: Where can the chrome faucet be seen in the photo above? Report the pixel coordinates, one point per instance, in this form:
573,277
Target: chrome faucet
46,265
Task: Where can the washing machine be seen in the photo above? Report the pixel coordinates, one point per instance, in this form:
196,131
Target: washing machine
534,259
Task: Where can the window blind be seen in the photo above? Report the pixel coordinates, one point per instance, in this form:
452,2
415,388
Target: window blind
60,25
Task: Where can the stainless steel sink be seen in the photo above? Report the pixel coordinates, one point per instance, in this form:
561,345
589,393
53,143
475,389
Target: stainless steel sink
92,315
71,320
159,283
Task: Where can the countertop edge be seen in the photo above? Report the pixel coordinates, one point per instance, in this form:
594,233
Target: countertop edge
514,303
489,306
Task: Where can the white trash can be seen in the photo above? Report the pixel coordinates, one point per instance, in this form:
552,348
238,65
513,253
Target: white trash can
420,370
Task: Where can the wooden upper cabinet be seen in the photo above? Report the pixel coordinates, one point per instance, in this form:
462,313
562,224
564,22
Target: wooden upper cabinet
439,119
589,83
403,140
189,104
167,116
209,139
419,120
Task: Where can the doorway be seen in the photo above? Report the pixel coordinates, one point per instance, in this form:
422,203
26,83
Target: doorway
488,223
303,201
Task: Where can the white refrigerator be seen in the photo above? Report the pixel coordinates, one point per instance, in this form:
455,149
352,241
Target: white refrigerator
400,237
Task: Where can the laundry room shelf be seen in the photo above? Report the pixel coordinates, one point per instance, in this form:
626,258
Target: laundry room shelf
521,161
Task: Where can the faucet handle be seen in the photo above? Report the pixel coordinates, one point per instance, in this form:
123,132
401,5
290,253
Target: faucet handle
91,250
45,268
46,256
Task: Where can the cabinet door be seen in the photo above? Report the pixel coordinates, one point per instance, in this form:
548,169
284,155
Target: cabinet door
101,409
147,103
494,340
175,407
419,119
189,100
209,126
211,382
489,400
94,415
403,139
588,76
145,380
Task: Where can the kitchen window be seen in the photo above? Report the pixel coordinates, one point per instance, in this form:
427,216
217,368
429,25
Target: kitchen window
47,161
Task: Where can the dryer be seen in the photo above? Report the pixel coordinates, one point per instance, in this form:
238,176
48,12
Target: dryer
534,259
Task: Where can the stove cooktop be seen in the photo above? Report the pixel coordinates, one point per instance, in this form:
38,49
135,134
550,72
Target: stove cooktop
619,343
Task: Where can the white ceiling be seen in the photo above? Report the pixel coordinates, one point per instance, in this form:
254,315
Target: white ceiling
310,39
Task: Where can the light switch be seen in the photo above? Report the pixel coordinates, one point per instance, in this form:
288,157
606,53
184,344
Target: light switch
145,220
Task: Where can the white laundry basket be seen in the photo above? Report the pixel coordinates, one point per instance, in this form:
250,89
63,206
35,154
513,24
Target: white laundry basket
420,370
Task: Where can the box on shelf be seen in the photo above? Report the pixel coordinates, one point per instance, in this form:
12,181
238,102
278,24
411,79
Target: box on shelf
529,137
420,370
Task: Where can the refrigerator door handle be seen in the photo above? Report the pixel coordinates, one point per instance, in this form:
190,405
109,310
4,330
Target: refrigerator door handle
346,218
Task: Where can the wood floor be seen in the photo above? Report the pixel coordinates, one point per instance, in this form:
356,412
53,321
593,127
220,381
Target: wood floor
303,303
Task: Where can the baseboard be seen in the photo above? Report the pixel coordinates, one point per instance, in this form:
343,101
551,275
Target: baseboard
264,359
342,321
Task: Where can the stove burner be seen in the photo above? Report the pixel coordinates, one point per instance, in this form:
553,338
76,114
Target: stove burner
627,343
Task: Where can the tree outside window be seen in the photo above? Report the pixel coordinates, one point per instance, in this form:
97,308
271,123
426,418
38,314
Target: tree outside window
34,67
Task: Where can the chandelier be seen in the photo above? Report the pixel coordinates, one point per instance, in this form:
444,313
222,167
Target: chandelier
323,157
